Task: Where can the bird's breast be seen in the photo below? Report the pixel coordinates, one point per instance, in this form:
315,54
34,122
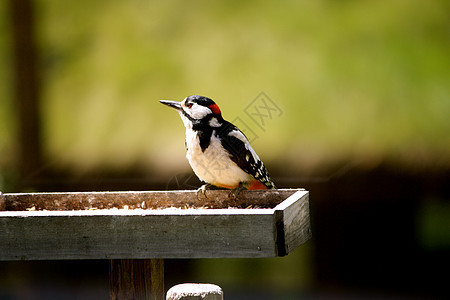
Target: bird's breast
213,164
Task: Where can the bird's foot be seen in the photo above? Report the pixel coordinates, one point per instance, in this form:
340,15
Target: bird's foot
202,190
235,192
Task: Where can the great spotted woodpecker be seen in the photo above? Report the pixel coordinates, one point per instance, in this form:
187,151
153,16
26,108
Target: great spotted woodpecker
218,152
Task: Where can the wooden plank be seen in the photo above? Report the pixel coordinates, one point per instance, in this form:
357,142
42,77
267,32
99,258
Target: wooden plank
138,279
215,199
108,234
293,222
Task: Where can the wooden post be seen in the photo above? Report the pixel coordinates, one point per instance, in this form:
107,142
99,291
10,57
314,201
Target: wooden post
26,90
136,279
195,291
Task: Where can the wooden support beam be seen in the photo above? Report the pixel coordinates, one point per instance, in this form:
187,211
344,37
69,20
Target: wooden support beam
138,279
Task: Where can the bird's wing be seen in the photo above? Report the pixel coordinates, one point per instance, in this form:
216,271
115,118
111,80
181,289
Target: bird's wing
236,143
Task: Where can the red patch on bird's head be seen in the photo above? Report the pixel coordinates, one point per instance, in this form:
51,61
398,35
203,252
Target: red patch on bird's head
215,109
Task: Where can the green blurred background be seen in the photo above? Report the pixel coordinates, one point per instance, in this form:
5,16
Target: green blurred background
362,89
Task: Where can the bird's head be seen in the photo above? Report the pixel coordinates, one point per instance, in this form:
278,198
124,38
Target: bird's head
196,109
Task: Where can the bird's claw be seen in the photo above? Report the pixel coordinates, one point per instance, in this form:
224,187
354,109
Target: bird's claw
235,192
202,190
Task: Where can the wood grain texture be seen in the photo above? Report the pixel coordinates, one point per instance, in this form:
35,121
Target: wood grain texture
140,279
215,199
293,219
93,235
158,233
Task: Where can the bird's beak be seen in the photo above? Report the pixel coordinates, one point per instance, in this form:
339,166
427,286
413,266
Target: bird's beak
173,104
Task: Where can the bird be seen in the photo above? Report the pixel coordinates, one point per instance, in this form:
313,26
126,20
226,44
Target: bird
218,152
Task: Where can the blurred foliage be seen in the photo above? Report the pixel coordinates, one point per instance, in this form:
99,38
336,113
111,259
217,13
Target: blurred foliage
365,80
292,272
433,226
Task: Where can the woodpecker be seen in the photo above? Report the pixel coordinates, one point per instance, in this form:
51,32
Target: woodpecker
218,152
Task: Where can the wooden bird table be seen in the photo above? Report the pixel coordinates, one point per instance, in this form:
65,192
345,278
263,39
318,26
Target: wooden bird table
137,230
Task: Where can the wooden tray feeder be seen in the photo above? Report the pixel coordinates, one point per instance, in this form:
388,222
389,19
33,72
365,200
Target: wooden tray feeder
152,225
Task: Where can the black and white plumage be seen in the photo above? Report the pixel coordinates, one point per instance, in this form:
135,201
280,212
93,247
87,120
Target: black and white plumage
218,152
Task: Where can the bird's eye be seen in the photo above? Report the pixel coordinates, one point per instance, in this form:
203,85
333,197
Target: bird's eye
189,105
